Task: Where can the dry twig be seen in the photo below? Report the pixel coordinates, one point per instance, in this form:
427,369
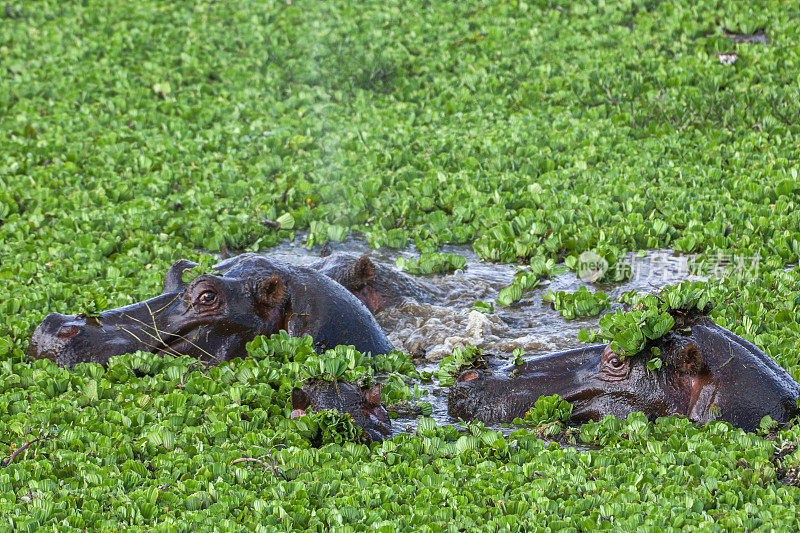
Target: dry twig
21,449
272,468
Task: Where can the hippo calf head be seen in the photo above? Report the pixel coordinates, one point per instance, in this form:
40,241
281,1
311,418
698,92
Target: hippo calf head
210,318
377,286
707,373
363,405
357,275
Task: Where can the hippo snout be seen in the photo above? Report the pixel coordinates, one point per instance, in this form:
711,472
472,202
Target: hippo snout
52,336
64,326
467,395
65,332
68,339
469,383
52,323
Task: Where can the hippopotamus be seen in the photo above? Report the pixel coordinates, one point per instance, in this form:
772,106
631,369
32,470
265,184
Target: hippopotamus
377,286
363,405
214,316
708,373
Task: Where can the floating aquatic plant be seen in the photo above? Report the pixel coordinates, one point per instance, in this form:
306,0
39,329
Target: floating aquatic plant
651,317
432,263
579,303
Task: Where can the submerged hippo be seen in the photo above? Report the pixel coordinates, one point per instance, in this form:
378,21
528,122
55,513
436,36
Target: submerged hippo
363,405
708,373
377,286
214,316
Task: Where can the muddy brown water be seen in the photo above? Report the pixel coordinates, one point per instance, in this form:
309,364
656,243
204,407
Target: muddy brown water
435,329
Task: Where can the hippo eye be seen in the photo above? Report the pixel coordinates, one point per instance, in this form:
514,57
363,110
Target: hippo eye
207,297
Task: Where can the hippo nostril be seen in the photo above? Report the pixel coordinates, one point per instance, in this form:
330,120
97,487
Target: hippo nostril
469,375
65,332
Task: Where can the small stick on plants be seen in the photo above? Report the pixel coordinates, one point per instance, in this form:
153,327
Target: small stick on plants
272,468
193,366
21,449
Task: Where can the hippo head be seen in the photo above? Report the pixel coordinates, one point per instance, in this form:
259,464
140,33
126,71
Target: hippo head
210,318
706,373
363,405
357,275
377,286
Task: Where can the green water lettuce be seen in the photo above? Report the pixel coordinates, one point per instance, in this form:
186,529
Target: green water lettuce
651,317
432,263
580,303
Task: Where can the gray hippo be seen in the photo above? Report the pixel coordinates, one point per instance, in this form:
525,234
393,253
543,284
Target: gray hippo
707,373
377,286
214,316
363,405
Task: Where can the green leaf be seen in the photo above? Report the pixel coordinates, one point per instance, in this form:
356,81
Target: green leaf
286,221
584,335
483,307
451,366
466,443
661,326
426,427
90,390
162,88
547,410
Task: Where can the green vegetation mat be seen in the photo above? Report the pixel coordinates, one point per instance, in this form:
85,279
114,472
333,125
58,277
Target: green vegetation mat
136,133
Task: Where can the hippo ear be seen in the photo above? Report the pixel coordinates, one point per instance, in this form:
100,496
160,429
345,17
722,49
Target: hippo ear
358,274
270,293
690,359
363,270
373,395
300,400
173,280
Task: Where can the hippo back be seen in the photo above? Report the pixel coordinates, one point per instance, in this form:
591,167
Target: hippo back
755,386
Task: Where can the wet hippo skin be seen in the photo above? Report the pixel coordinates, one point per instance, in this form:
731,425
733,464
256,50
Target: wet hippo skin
213,317
364,406
376,285
708,373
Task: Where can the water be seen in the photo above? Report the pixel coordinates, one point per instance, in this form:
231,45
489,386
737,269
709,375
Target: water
431,331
